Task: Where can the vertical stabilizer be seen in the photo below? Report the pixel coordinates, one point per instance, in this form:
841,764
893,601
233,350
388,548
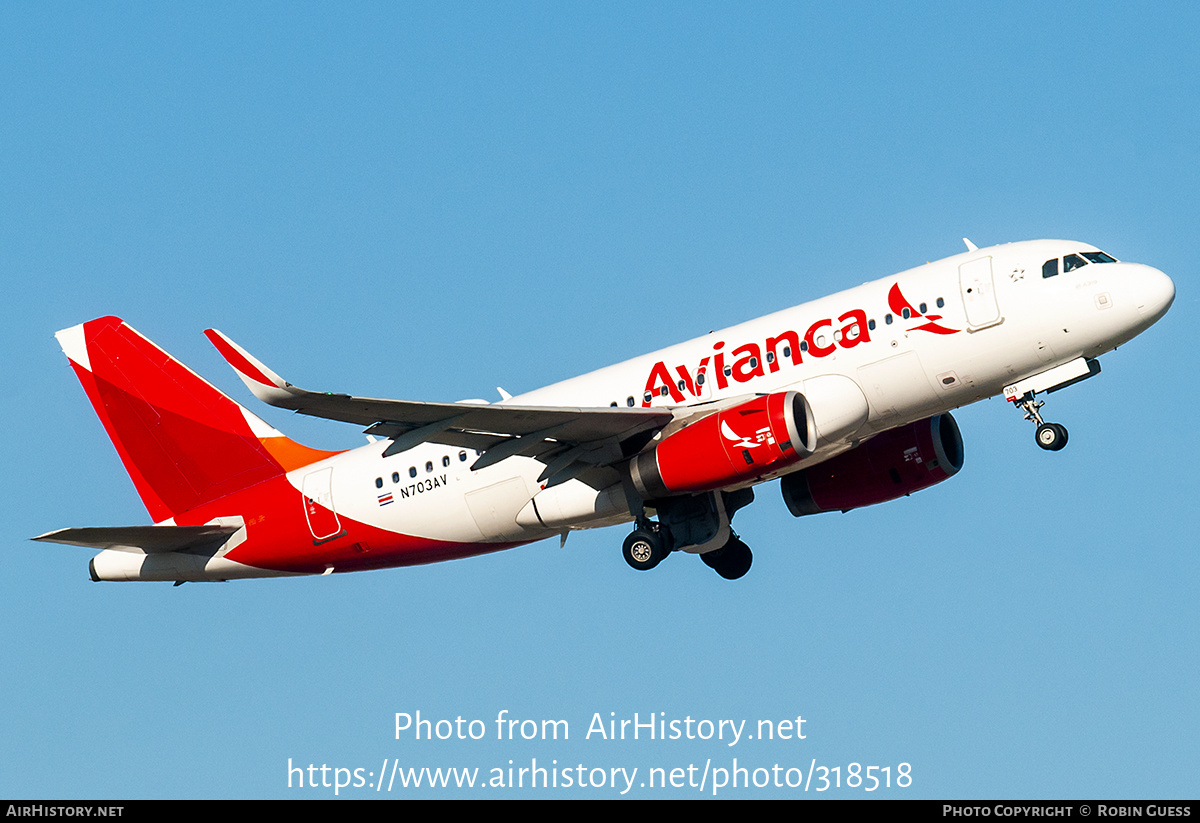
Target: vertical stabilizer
183,442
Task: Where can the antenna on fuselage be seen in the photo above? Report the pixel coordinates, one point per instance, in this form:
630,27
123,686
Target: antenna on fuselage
970,246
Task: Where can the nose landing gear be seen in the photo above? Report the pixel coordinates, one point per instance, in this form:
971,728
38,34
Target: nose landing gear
1050,436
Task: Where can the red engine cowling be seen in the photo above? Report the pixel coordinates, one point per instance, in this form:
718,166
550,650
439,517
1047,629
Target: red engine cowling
889,465
749,440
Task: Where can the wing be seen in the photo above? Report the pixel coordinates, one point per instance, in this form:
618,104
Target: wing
568,439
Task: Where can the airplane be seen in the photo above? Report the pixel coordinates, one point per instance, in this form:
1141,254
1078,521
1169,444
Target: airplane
846,400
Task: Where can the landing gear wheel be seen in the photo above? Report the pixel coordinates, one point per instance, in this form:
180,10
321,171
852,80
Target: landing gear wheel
1052,436
731,561
1062,429
643,550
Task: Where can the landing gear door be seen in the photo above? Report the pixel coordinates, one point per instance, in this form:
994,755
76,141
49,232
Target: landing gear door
979,293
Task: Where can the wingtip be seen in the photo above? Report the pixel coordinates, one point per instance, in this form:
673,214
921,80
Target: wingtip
263,383
248,367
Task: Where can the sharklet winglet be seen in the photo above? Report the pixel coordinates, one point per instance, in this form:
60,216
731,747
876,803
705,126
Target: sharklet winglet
263,383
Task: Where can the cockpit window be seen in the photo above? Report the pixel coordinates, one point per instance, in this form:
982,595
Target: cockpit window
1072,262
1075,261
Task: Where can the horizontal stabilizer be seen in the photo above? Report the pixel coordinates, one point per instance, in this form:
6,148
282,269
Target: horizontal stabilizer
144,539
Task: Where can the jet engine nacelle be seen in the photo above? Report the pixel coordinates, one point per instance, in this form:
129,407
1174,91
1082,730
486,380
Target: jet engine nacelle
749,440
889,465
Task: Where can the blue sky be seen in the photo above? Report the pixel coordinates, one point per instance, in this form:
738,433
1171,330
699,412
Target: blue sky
426,201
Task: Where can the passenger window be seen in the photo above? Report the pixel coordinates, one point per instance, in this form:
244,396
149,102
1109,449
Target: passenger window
429,466
1072,262
629,401
941,303
395,477
699,380
446,461
462,457
412,471
379,482
1050,268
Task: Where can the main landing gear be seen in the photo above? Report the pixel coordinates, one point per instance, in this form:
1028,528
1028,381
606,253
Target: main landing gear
697,524
731,561
1050,436
646,547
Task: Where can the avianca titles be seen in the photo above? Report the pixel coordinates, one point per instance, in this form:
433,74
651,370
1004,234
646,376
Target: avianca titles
845,400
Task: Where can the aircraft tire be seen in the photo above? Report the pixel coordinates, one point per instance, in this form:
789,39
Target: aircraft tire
731,561
1052,436
643,550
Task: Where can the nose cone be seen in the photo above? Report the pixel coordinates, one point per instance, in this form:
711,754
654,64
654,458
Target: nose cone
1155,292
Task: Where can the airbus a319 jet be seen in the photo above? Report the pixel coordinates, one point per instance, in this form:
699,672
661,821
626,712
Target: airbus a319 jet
845,400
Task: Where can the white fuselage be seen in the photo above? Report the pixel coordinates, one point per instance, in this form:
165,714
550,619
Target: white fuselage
999,321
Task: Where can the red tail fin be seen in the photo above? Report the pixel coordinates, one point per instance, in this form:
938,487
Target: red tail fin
183,442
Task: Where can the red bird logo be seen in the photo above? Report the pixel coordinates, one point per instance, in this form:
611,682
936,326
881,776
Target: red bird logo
899,304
